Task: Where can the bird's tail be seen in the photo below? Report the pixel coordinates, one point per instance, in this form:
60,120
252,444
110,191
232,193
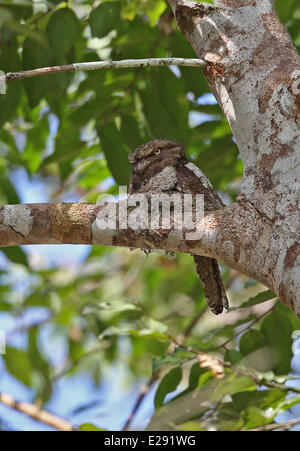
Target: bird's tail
209,273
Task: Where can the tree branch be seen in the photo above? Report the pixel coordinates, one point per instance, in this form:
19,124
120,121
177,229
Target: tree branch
236,235
231,234
123,64
36,413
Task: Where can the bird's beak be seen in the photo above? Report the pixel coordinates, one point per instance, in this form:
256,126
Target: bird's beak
138,165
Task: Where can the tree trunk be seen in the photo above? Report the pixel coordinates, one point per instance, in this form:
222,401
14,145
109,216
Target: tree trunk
253,69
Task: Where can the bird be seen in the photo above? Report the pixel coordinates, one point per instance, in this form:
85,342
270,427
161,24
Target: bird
161,166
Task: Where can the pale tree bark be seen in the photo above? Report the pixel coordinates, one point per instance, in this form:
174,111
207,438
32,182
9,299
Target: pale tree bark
254,71
252,68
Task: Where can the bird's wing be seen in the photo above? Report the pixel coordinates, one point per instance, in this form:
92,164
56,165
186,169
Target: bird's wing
191,180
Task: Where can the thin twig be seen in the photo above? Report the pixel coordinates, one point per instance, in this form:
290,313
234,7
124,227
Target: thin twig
190,327
123,64
69,365
36,413
144,391
216,363
242,331
272,427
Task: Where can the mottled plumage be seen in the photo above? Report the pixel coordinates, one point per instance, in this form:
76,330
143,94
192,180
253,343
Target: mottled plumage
160,166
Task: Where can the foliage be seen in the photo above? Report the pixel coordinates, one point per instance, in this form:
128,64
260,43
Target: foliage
73,133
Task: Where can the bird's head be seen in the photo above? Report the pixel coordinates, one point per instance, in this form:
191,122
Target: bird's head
160,152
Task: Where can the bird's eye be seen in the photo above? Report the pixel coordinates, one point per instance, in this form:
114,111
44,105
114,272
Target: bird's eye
157,151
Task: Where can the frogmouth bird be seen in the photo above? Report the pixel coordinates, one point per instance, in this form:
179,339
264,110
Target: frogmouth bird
161,166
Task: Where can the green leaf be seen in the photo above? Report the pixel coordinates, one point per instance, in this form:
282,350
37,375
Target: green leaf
67,147
63,30
288,403
258,299
255,417
125,43
8,192
18,364
204,378
90,427
193,78
261,407
104,18
252,341
233,384
265,399
149,335
227,331
97,108
278,330
148,329
167,385
218,160
289,315
116,153
195,374
21,9
5,15
233,356
285,9
152,325
35,144
195,403
154,9
40,366
36,53
110,306
8,150
170,359
198,378
130,131
15,254
192,426
37,298
227,418
211,109
165,107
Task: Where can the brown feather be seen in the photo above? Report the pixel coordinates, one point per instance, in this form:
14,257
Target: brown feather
187,179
